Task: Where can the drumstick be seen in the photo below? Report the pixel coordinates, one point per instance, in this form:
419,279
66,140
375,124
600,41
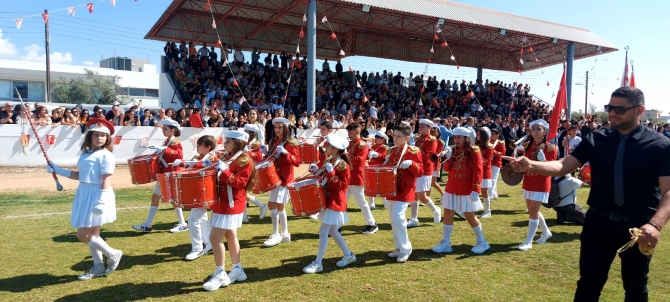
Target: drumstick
59,187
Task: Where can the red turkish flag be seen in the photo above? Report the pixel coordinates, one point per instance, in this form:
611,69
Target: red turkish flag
90,7
632,76
560,104
45,16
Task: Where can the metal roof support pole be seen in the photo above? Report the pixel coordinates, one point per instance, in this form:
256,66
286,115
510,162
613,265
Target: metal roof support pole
568,76
480,73
311,57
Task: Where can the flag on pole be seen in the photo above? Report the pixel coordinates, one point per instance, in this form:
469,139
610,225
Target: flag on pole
624,78
90,7
70,11
560,105
632,76
45,16
19,21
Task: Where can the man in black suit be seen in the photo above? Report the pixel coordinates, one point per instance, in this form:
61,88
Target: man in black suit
565,125
497,123
509,133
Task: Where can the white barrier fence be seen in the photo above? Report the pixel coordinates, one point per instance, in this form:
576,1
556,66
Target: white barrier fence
63,143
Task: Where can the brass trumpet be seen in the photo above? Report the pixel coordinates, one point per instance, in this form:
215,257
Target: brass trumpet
519,142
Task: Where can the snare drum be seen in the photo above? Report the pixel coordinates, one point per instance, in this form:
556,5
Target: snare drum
309,153
585,174
307,196
267,179
195,188
166,184
143,169
380,181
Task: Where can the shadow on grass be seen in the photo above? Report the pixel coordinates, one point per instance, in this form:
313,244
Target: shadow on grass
72,237
26,283
166,254
134,292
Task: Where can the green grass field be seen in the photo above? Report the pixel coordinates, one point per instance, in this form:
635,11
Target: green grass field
41,258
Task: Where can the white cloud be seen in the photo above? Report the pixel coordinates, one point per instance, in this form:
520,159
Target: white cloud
89,63
35,53
7,49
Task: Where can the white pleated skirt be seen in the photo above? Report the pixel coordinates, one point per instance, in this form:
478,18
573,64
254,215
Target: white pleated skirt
487,183
332,217
542,197
226,221
461,203
85,199
157,189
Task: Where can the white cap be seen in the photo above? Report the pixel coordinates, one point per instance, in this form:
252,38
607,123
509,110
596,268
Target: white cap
427,122
237,134
462,131
280,120
540,122
338,142
250,127
170,122
116,103
487,130
382,135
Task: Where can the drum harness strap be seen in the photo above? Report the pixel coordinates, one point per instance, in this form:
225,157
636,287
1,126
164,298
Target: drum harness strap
160,157
404,148
231,202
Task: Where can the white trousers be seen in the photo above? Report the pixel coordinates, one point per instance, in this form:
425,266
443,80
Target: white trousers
198,228
397,211
359,197
496,172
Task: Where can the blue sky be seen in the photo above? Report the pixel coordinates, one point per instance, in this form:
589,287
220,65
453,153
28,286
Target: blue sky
86,38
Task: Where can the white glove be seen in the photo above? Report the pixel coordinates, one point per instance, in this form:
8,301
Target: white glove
313,168
474,196
176,162
206,163
329,167
159,149
540,156
264,149
100,206
60,171
449,153
221,166
373,154
281,150
98,209
405,164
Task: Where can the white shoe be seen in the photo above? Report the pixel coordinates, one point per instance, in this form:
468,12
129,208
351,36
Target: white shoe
486,214
95,271
313,268
286,237
525,246
113,261
193,255
217,280
403,257
442,247
314,216
481,247
178,228
346,260
208,249
273,240
495,197
372,206
237,275
394,254
413,223
264,211
543,238
245,218
437,217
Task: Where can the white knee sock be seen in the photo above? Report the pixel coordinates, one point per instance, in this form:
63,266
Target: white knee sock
323,242
283,221
532,228
100,244
339,240
257,203
150,217
180,216
244,215
206,228
487,204
414,209
446,232
543,224
274,215
431,205
96,254
479,233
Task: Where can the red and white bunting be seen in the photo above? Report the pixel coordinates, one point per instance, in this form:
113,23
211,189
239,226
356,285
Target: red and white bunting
218,43
358,84
341,52
207,5
444,44
242,100
213,24
113,2
438,29
521,61
225,62
324,19
530,49
302,33
435,37
19,21
45,16
304,18
351,69
70,11
521,51
536,60
547,83
452,58
297,49
90,7
333,36
432,50
524,39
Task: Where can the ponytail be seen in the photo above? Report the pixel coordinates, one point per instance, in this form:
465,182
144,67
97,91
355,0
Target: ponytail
345,157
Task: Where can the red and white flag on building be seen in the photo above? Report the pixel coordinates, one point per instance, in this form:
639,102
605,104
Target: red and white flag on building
70,11
19,21
624,78
90,7
632,76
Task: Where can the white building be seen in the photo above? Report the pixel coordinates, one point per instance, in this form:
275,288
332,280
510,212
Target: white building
30,79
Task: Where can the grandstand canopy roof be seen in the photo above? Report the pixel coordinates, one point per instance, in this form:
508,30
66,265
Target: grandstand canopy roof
392,29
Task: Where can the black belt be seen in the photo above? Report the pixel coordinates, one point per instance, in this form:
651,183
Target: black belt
614,216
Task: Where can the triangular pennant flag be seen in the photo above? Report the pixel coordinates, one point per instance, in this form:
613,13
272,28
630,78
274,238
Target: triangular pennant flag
288,81
547,83
520,72
530,49
207,5
225,62
422,89
242,100
45,16
432,50
421,102
351,69
444,44
521,61
304,18
70,11
536,60
365,98
458,66
435,37
324,19
302,33
358,84
218,43
18,23
452,58
524,39
90,7
235,82
438,29
297,49
341,53
213,24
333,36
113,2
428,61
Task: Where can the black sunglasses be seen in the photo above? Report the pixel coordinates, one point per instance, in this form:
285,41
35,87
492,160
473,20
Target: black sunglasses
619,110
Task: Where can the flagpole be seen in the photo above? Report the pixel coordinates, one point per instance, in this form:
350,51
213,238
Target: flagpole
48,62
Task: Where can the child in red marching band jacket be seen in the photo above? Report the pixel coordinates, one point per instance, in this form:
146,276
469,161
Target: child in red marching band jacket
377,156
462,190
284,152
169,152
408,159
321,144
536,187
236,175
198,223
336,177
358,155
428,146
499,151
255,150
435,131
487,151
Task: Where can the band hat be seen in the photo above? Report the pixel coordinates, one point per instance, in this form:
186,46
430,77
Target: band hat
338,142
170,122
427,122
540,122
250,127
100,125
237,134
461,131
382,135
280,120
487,130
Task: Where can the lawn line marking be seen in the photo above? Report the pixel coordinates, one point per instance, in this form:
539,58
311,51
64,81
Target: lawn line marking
59,213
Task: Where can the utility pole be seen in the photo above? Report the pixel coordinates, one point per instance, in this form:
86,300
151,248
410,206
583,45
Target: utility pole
586,98
46,42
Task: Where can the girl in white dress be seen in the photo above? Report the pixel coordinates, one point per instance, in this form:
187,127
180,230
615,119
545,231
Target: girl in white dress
94,202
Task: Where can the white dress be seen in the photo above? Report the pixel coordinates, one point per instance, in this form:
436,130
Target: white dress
92,165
